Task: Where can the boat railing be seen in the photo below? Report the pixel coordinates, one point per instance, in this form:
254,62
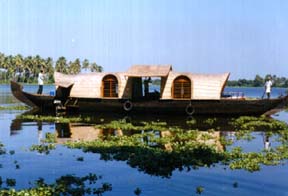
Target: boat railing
233,95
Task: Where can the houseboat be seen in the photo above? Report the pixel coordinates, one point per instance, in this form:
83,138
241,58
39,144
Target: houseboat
129,92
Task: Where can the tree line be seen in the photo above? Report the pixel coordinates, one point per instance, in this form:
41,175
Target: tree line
26,69
259,81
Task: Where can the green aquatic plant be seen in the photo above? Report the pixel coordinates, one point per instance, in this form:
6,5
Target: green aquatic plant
161,152
155,155
121,124
65,185
17,166
10,182
199,190
191,122
43,148
14,107
225,141
244,135
12,152
210,121
58,119
158,149
2,149
263,123
46,145
50,138
80,159
252,161
137,191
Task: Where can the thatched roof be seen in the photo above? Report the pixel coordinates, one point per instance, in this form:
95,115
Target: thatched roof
89,85
149,70
204,86
63,79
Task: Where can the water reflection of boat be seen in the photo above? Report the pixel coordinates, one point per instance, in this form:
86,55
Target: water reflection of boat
81,132
217,127
77,132
154,158
179,93
191,122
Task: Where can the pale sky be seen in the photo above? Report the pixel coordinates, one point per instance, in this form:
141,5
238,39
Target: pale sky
243,37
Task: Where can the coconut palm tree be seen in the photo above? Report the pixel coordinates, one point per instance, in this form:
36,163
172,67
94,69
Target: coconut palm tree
2,59
85,64
28,67
61,65
74,67
19,66
49,69
38,64
95,68
4,72
9,65
18,60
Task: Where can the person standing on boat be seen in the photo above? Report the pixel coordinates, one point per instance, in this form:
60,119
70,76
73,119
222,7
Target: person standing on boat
146,86
41,77
268,85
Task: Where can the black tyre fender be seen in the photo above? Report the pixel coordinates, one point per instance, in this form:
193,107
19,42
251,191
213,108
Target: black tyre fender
127,105
189,110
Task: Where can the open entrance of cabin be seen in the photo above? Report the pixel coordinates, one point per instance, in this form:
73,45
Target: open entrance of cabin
152,87
110,86
146,88
181,88
147,82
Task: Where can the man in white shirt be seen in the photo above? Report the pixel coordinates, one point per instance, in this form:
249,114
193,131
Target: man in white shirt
268,85
40,82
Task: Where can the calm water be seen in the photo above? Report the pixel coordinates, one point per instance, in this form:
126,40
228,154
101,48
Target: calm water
19,136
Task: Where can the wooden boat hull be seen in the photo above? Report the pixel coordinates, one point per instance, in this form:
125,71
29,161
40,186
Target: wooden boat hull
223,106
33,100
185,107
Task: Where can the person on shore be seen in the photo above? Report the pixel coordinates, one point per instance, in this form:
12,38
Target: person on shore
268,85
41,77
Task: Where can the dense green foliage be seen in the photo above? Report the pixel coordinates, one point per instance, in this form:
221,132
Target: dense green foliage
259,82
26,69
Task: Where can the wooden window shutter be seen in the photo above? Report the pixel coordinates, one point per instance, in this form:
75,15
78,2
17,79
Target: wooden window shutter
110,86
182,88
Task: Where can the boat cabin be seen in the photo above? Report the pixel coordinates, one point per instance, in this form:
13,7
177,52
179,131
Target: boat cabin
136,84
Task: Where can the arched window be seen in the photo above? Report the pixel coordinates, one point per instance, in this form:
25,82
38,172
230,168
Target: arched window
182,88
110,86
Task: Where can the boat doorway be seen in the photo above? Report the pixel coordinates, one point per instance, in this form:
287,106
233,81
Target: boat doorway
146,88
137,89
152,88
